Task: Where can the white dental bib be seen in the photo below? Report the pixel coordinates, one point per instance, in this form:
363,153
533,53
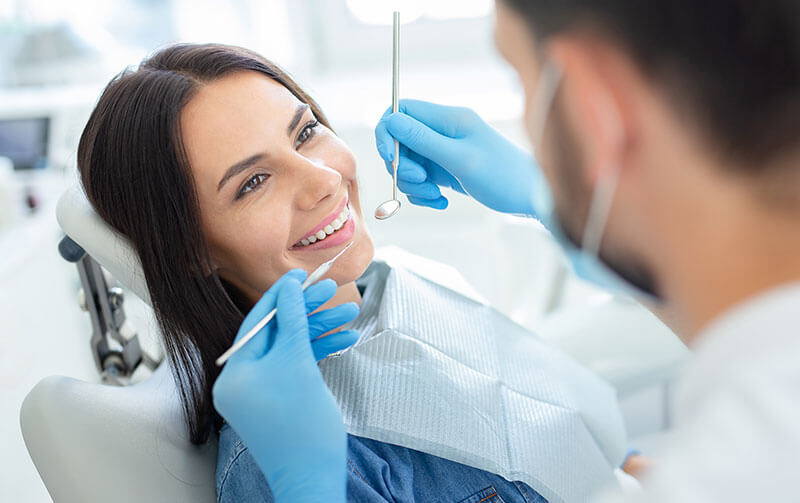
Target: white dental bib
443,373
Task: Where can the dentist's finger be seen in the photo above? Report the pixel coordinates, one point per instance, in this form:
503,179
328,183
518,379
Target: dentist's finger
326,346
420,138
291,330
330,319
319,293
259,344
413,134
425,190
437,204
446,120
408,169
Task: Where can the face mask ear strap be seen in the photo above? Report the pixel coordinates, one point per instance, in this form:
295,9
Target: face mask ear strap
543,99
598,212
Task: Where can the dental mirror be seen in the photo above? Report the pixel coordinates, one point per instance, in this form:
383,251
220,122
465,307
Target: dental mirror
390,207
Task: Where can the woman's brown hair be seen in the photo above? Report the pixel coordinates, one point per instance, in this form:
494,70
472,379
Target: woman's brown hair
136,175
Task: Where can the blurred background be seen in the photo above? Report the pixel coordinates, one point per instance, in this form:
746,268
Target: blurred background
56,57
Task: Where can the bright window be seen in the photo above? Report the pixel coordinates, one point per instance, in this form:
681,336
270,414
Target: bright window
379,12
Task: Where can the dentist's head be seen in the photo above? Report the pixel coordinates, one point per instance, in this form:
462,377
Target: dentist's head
671,141
224,175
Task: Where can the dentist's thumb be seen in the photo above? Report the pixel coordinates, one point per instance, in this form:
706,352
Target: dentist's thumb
292,321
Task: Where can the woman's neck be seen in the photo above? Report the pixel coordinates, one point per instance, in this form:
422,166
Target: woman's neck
347,292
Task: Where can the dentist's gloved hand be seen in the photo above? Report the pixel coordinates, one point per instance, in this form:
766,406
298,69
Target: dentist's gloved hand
444,146
273,395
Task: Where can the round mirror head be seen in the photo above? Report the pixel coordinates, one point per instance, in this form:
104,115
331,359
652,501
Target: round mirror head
387,209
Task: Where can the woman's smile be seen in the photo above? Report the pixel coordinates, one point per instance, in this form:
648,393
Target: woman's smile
334,229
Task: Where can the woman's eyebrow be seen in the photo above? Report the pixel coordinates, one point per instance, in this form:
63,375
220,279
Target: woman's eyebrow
238,168
298,114
246,163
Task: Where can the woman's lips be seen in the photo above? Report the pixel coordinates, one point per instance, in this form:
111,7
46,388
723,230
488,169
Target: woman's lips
343,235
327,221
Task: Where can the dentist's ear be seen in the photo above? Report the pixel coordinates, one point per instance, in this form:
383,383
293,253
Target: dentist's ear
596,103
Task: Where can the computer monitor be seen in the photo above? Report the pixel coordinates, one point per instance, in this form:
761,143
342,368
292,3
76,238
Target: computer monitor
24,141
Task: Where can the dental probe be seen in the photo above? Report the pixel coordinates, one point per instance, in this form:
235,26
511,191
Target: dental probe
390,207
312,278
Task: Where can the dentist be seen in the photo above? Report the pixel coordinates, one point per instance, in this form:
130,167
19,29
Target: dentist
667,137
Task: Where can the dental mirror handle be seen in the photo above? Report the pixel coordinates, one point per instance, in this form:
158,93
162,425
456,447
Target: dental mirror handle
388,208
395,93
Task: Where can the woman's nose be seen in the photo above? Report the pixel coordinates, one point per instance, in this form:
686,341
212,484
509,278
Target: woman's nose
317,182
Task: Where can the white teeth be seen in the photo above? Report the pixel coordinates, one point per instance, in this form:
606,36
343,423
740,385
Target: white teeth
329,229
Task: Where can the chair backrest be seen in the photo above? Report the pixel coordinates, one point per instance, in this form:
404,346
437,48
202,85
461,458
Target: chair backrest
110,249
92,442
97,443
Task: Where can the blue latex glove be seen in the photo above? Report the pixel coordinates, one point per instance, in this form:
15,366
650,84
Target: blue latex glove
272,393
453,147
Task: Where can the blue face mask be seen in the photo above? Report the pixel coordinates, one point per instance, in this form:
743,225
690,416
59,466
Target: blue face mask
585,258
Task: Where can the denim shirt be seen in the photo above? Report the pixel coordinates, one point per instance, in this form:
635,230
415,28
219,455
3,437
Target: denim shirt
376,471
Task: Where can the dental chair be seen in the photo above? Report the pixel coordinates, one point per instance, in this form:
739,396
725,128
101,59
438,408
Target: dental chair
115,441
119,441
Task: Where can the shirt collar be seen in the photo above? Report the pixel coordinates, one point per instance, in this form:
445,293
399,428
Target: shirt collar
742,337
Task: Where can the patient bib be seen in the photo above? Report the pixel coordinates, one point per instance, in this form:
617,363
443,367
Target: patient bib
439,371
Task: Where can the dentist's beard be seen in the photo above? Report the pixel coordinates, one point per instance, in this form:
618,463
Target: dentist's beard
573,196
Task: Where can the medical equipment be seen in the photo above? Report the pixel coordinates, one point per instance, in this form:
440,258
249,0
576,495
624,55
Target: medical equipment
115,344
25,141
92,442
315,276
439,364
390,207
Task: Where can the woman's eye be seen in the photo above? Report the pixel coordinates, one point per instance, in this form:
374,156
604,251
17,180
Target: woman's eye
306,133
251,184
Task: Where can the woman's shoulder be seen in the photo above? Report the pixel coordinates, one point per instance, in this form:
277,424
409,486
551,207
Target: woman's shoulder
379,471
238,477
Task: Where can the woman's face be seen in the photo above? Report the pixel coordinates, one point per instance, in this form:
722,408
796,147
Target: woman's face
270,179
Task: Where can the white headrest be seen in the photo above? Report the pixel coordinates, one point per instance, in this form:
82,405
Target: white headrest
111,250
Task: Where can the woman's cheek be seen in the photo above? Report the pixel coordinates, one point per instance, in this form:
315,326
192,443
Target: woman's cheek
339,156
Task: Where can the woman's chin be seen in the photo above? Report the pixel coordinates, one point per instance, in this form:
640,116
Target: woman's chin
353,264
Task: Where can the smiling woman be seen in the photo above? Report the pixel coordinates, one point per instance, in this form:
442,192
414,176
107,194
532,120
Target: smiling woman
268,175
203,157
224,175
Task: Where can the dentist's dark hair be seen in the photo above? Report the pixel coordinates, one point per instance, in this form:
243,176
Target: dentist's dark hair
732,66
136,174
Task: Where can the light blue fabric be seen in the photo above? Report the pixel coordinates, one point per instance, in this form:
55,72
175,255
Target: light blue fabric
376,472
